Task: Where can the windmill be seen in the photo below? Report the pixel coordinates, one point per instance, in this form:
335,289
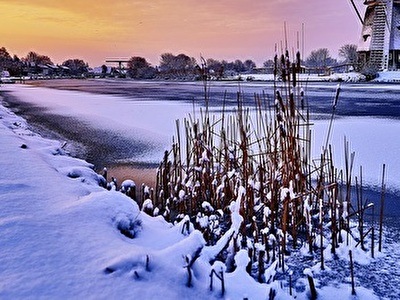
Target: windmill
379,45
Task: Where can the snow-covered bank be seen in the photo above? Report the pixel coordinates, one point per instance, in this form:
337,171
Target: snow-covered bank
346,77
388,76
145,122
59,230
382,77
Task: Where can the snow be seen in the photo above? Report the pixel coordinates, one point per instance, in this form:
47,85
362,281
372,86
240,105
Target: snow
147,205
237,219
59,234
330,293
346,77
382,77
130,118
62,235
207,206
374,141
388,76
127,184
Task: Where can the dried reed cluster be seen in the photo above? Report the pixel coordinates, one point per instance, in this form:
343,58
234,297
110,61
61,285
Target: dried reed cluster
257,162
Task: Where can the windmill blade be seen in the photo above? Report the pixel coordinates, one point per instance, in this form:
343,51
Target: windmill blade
357,12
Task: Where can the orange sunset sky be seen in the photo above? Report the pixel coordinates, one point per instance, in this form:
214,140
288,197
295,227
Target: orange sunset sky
94,30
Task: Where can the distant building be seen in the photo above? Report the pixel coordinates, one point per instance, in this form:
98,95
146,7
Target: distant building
98,71
36,71
379,45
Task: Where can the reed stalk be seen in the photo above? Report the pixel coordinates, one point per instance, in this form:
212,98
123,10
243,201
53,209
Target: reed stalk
265,149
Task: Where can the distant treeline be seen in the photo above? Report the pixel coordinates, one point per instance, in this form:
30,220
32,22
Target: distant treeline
171,66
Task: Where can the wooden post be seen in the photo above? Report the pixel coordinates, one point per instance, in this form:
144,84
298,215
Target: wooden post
261,268
373,233
321,233
222,283
249,265
147,263
220,277
211,280
382,206
353,290
313,290
273,250
189,282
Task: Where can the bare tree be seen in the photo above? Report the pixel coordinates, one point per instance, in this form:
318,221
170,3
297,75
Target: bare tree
139,68
185,64
215,67
228,66
76,66
249,65
238,66
35,58
167,62
348,53
180,65
5,57
269,63
320,59
6,62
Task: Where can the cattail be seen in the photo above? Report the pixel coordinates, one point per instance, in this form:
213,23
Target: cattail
335,100
280,101
294,75
279,117
282,130
302,98
292,106
298,61
283,67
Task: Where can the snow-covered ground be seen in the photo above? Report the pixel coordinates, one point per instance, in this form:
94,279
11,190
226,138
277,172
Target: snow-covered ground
346,77
60,232
388,76
385,76
60,238
374,141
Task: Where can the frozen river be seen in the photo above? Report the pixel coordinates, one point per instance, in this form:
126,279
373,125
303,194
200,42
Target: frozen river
121,122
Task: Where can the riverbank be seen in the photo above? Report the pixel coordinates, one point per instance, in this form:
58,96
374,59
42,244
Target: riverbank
63,236
98,146
348,77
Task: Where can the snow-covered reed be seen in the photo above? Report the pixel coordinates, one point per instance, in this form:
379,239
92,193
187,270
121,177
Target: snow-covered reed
248,180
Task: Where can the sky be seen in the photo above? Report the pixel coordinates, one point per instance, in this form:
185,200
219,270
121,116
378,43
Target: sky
96,30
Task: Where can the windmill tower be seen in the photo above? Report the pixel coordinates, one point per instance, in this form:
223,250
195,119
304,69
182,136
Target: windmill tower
379,45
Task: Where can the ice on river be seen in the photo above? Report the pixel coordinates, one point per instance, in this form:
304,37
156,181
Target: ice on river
375,140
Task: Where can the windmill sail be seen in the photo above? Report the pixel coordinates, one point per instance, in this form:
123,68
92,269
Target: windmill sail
379,46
